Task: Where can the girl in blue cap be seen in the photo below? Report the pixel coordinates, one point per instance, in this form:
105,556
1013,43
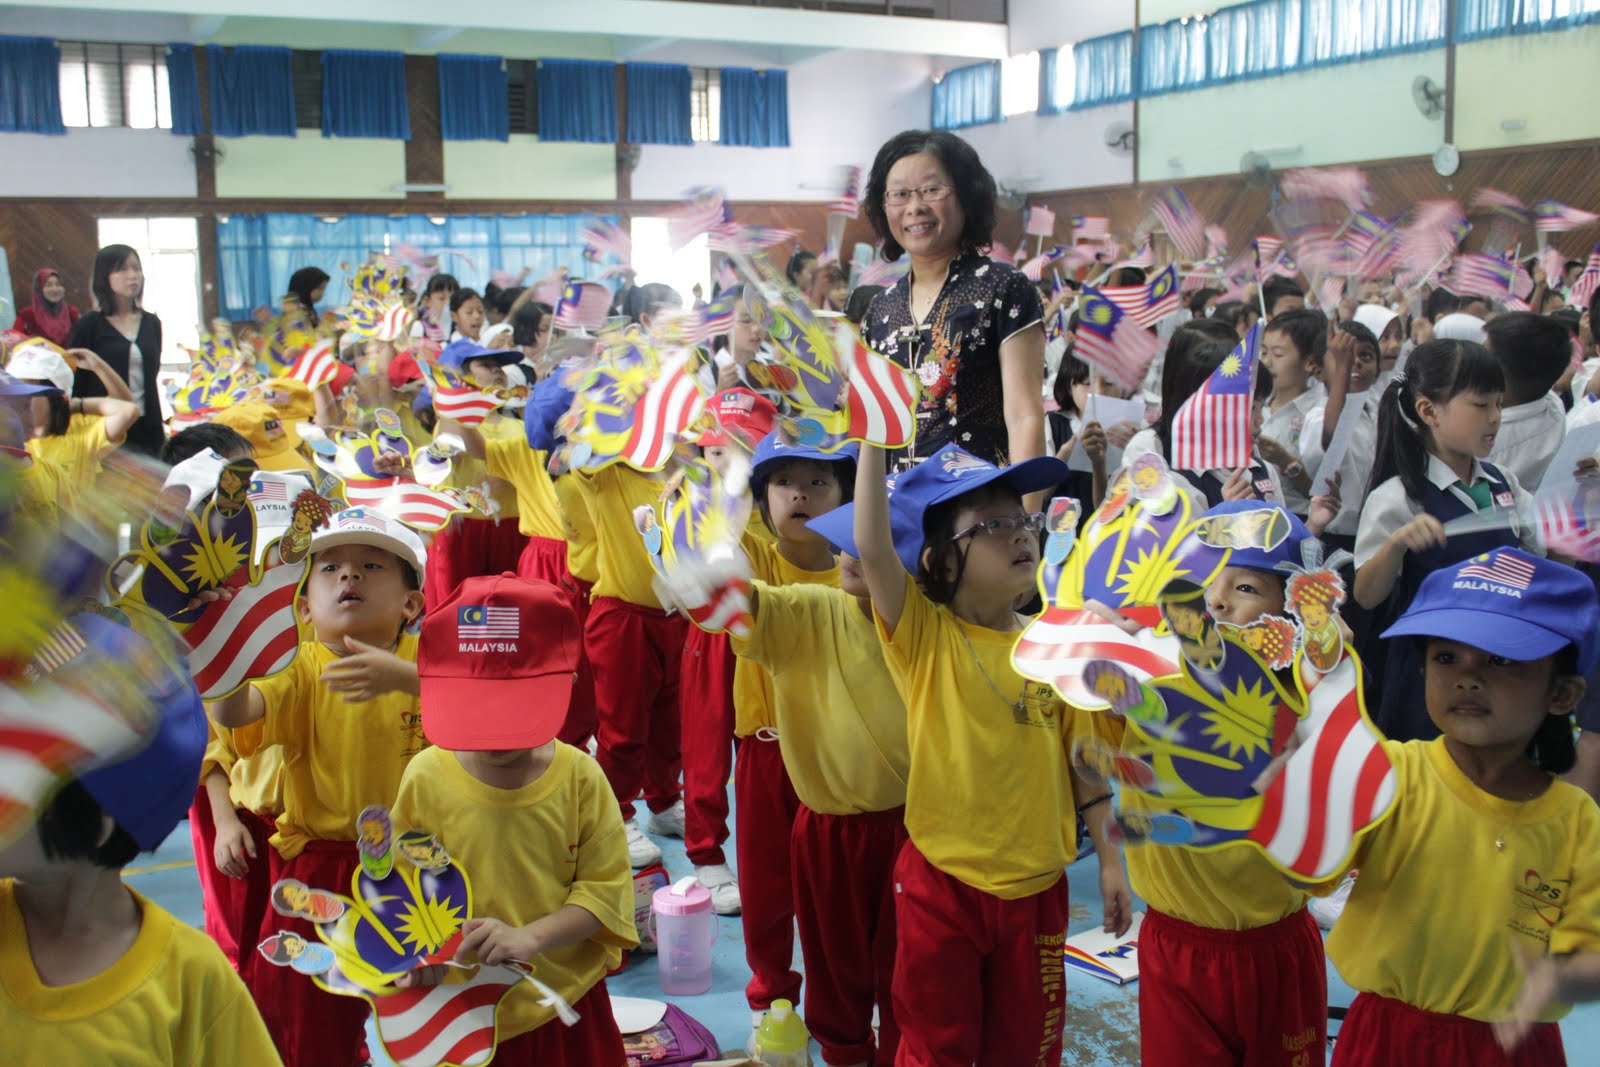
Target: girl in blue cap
991,800
1476,917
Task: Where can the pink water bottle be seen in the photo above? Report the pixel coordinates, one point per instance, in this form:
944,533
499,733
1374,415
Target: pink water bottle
685,930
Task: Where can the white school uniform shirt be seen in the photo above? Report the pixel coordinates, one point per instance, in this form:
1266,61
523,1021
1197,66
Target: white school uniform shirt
1529,437
1286,426
1583,413
1356,468
1580,382
1388,508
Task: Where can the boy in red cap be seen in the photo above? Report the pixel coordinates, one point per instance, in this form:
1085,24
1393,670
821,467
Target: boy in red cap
531,819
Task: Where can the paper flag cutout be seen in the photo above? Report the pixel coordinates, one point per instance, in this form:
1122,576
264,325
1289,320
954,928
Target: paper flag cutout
632,405
693,545
458,397
1106,956
364,465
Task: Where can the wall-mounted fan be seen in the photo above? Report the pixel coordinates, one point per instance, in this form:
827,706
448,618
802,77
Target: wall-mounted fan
1428,95
1120,138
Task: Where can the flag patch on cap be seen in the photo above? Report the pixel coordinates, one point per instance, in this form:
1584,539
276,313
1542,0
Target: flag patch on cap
482,622
959,463
1499,568
358,519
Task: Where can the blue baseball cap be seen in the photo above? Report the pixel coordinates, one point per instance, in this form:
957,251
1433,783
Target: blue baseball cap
838,528
547,402
149,792
771,450
456,354
422,401
10,385
1282,531
954,472
1508,603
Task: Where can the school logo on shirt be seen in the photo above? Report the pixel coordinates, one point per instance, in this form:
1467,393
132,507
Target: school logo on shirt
1495,572
486,628
1505,499
1540,903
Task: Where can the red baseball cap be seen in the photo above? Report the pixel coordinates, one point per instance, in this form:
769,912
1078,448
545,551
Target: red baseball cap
497,663
403,370
740,415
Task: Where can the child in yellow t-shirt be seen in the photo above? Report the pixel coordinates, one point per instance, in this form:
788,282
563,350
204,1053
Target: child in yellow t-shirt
1476,918
841,727
991,802
345,713
91,971
231,828
531,820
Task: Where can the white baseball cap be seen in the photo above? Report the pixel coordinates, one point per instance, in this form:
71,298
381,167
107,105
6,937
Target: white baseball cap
39,360
364,526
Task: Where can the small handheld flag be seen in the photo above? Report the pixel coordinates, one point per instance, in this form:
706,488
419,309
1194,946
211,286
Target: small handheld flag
1212,429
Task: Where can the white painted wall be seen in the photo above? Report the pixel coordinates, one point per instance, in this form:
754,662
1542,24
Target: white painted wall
96,162
1052,23
842,106
1039,153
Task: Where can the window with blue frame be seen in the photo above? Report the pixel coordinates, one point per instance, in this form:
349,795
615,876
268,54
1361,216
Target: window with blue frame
967,96
1477,19
1102,70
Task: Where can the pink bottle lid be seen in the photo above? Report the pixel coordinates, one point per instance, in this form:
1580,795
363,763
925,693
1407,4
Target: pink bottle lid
684,897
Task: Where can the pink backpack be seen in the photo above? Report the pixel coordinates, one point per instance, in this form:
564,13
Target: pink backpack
676,1039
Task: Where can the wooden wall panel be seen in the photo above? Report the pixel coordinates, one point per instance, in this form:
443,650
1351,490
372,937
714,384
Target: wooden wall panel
60,235
425,150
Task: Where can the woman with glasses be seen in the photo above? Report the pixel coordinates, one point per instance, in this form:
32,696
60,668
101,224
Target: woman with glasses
972,329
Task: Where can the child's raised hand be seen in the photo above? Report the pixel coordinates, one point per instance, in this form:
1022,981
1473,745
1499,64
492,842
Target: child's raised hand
1325,508
234,849
1587,467
368,672
209,596
1094,442
491,941
389,464
1121,433
1238,486
1340,355
427,975
1420,534
1117,897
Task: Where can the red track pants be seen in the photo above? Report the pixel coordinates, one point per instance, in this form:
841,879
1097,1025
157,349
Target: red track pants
635,653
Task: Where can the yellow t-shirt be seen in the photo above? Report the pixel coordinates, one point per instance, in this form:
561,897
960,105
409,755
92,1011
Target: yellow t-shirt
78,451
569,849
841,723
752,685
989,800
1438,901
254,770
170,1001
574,491
507,456
338,757
622,566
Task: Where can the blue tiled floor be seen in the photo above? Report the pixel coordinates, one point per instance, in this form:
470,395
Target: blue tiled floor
1102,1020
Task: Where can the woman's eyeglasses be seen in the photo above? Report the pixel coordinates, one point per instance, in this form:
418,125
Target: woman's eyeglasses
1032,522
928,194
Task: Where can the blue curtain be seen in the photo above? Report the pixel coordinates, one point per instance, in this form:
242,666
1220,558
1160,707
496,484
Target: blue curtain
1253,40
755,107
1102,70
1339,31
1476,19
252,91
577,100
184,85
1172,56
966,96
364,95
1048,102
30,85
658,103
258,253
472,98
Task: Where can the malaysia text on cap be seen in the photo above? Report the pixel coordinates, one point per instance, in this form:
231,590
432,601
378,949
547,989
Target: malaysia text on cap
498,661
364,526
739,415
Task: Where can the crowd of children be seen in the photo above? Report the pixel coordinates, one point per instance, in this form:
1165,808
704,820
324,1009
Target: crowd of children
517,681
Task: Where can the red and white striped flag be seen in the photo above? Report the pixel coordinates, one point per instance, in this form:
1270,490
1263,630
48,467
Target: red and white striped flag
737,239
699,215
1041,222
1479,274
425,1026
1182,223
1554,217
583,306
664,413
1109,340
1212,430
254,635
1268,249
59,649
404,501
1151,302
1336,784
1056,647
1563,528
1090,227
602,238
317,365
999,253
1345,184
881,399
1583,289
848,202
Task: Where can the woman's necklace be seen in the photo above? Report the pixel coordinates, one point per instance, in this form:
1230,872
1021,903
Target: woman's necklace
1019,706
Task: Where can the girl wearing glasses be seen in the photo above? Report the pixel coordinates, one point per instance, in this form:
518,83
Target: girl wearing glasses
971,329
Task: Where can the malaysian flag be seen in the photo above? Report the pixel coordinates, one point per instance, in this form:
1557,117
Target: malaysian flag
1480,274
1553,217
268,491
1182,223
881,399
1336,784
404,501
1212,429
1348,185
1268,249
848,202
488,622
1493,201
1058,646
716,318
317,365
424,1026
1583,289
1041,222
671,405
1144,257
1565,528
65,642
253,635
455,397
687,221
883,272
583,306
1090,227
1501,568
1148,304
1377,255
1216,243
602,238
1110,340
1436,228
737,239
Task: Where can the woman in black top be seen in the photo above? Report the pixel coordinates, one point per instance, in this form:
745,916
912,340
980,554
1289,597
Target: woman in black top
971,329
306,286
127,337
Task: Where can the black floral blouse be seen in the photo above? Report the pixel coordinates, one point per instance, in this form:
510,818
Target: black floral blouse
956,351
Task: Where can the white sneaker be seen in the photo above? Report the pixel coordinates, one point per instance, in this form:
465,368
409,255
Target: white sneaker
667,823
1326,910
642,851
724,886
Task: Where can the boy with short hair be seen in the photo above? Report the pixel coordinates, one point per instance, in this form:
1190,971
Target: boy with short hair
1292,347
532,820
1535,351
90,971
346,715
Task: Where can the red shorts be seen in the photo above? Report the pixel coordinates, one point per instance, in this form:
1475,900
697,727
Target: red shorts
234,907
636,653
1382,1031
1232,998
593,1041
466,549
545,558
